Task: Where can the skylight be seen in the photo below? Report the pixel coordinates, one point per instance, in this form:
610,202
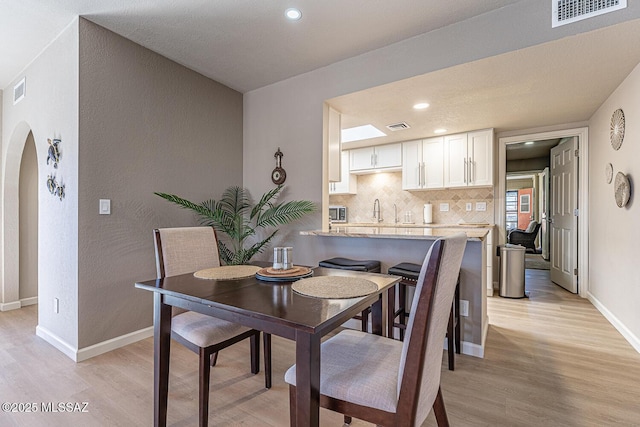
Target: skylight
361,132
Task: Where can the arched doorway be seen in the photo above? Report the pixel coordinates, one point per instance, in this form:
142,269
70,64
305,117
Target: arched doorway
28,224
10,215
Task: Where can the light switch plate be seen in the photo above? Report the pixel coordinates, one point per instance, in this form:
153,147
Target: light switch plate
481,206
444,207
105,207
469,207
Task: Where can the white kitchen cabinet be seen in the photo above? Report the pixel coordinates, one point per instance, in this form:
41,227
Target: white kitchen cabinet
422,164
332,133
468,159
348,183
380,157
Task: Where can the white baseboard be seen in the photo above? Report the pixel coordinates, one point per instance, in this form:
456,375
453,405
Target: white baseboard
57,342
93,350
112,344
624,331
14,305
28,301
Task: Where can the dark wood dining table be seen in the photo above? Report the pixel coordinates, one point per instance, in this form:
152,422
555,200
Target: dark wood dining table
271,307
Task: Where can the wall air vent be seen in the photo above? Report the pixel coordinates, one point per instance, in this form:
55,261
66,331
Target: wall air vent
398,126
568,11
19,91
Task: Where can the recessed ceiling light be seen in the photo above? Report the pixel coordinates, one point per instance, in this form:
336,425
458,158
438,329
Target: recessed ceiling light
293,14
439,130
421,106
529,143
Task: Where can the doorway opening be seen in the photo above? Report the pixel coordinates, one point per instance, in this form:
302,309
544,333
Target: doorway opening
540,207
28,224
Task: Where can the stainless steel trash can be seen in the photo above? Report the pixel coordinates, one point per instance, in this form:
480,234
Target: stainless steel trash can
512,271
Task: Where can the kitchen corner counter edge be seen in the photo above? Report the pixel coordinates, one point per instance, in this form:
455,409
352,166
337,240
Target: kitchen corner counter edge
474,232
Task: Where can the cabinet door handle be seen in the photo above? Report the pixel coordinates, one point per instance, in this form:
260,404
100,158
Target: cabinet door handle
466,170
371,160
424,174
470,171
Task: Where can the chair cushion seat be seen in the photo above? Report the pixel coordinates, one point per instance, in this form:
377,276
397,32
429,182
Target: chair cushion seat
203,330
359,368
406,269
351,264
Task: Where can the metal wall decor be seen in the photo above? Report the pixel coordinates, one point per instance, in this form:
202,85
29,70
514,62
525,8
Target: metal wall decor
278,175
608,173
617,128
622,190
54,187
54,152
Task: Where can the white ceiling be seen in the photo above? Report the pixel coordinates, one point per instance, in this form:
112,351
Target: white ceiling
244,44
559,82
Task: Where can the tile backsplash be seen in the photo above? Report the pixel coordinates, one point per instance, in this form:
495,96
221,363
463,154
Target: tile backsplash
387,187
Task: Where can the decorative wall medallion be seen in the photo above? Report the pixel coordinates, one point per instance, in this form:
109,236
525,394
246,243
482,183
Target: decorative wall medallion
54,152
622,190
617,129
608,172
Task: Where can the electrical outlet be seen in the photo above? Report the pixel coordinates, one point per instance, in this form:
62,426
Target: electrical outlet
56,305
464,308
469,207
444,207
481,206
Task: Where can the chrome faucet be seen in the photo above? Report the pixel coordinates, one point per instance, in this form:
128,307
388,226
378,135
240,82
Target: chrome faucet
395,214
376,210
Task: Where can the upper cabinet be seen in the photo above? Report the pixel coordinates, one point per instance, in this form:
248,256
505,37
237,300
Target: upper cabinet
468,159
423,164
348,183
380,157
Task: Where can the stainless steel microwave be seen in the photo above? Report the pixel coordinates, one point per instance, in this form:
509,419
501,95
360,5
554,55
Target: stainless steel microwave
338,213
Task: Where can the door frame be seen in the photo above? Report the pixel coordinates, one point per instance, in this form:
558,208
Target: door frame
583,193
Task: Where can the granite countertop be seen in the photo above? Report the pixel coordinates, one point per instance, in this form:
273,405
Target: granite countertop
401,231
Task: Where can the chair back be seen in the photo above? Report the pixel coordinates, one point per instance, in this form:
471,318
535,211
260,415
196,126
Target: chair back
533,226
183,250
423,346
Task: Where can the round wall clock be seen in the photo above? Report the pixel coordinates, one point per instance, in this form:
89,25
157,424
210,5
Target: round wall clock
617,129
278,175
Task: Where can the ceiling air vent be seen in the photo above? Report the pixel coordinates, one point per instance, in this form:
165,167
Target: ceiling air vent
19,91
398,126
568,11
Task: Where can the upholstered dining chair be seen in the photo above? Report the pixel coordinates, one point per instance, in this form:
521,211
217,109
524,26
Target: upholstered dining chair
188,249
389,382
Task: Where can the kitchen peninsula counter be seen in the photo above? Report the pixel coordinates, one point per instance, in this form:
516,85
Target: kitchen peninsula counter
392,244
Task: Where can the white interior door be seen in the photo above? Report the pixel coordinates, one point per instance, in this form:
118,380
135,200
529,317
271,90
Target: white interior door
563,221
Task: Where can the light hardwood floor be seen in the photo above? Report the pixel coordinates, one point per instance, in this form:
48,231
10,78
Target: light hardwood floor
551,360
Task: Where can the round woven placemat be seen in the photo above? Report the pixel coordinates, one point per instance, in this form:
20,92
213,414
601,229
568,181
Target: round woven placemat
227,272
296,271
334,287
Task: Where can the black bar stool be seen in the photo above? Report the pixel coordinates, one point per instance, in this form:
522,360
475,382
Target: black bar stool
371,266
410,273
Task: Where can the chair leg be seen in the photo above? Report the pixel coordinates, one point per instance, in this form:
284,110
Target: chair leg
214,359
203,404
402,304
255,353
292,406
450,340
391,310
266,338
440,411
456,301
364,319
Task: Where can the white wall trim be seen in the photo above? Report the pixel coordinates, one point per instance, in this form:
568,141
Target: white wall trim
93,350
583,193
6,306
114,343
624,331
57,342
28,301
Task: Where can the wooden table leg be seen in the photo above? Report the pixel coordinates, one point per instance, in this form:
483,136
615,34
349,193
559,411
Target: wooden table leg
379,314
391,310
307,380
161,350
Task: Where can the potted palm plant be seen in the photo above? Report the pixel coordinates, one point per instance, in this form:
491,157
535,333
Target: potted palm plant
237,218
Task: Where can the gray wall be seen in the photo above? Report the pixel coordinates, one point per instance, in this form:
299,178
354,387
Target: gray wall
614,232
29,221
146,124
